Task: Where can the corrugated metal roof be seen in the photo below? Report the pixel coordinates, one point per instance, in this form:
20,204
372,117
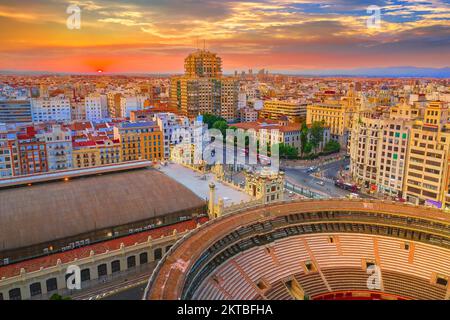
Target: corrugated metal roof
48,211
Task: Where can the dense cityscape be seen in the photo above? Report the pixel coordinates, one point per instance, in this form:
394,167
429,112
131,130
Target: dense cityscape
221,184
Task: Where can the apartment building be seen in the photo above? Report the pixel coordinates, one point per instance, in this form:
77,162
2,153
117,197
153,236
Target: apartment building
114,104
96,107
270,132
110,150
379,148
140,140
334,115
15,111
9,156
427,172
85,154
46,109
32,152
247,114
58,142
203,89
129,103
365,144
294,110
203,63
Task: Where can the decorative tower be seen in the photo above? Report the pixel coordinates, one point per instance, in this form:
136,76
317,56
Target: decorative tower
212,196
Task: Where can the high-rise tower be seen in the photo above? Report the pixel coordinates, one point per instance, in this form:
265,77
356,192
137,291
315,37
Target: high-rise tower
203,88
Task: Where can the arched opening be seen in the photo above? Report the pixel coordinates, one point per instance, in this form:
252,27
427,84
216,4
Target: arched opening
85,275
131,262
102,270
52,285
115,266
157,253
35,289
143,258
15,294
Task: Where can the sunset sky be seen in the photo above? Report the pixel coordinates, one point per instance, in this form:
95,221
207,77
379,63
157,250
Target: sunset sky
280,35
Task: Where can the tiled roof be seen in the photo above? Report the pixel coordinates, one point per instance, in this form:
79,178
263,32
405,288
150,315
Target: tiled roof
80,144
80,253
268,125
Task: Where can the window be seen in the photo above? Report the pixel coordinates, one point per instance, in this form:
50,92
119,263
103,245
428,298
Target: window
102,270
143,258
35,289
157,254
52,285
115,266
85,275
131,262
15,294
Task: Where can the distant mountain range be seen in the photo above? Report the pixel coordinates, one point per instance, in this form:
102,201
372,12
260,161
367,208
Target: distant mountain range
396,72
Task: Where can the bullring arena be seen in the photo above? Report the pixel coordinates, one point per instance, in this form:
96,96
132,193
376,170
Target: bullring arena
311,249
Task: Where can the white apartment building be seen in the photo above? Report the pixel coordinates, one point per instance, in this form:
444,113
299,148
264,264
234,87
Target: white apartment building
177,129
51,109
379,148
247,114
9,158
96,107
59,148
131,103
242,100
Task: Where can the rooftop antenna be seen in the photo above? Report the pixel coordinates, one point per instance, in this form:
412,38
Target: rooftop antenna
204,44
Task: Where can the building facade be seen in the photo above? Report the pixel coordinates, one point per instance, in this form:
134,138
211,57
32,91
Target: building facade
274,109
15,111
32,152
85,154
9,156
203,89
51,109
96,107
59,147
140,140
426,180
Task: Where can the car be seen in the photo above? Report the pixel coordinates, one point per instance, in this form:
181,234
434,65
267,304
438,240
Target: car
320,183
353,196
311,169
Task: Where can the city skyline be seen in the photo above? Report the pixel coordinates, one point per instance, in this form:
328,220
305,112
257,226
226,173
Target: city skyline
286,37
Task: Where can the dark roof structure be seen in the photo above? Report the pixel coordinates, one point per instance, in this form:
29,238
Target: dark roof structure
46,211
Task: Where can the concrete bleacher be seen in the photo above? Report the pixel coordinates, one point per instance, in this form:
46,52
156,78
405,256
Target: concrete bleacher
406,273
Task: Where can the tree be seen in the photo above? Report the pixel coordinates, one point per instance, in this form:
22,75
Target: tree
303,137
221,125
287,151
308,147
56,296
332,147
317,129
210,119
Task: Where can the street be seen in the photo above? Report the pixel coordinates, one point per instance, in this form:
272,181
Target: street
301,177
126,287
